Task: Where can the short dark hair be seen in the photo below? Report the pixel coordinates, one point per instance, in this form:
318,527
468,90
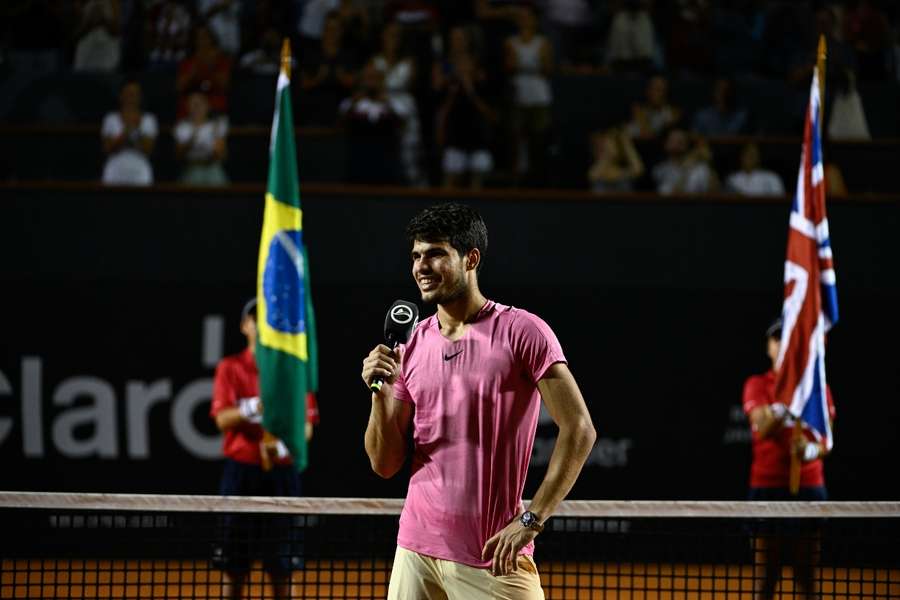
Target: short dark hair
459,225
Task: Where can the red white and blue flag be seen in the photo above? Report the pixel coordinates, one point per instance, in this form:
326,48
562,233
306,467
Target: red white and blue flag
810,296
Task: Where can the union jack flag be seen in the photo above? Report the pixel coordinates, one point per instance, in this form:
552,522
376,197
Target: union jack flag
810,296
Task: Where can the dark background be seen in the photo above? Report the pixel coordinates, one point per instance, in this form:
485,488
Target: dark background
660,305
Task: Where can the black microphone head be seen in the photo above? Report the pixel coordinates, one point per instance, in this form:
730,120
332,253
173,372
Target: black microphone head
400,321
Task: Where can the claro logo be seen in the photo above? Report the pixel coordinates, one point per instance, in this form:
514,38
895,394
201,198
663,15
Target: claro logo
97,410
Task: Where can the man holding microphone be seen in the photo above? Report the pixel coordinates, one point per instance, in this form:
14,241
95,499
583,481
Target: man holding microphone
468,383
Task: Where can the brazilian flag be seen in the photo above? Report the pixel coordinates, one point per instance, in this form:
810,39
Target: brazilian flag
286,352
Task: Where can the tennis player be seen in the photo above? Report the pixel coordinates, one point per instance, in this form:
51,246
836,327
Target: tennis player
468,385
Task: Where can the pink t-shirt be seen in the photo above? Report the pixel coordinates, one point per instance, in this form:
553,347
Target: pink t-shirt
476,410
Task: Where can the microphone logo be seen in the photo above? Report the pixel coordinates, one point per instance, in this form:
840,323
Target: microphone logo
401,314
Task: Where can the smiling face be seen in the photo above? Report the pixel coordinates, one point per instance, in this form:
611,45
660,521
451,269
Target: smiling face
441,272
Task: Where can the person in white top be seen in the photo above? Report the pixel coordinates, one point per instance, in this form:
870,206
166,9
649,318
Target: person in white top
99,45
200,142
399,74
224,19
686,170
753,180
128,139
650,118
529,60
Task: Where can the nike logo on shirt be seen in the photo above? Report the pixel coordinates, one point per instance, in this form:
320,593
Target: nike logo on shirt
448,357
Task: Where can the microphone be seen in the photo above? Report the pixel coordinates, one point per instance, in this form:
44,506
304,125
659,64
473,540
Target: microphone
399,323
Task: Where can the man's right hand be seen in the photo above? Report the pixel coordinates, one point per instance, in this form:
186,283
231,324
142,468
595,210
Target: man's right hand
380,363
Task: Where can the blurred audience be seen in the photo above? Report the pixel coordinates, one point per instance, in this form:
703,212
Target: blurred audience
327,76
399,72
167,34
724,116
752,179
265,59
465,115
311,26
617,164
690,36
570,28
848,118
687,167
373,129
223,17
631,45
207,70
129,135
200,143
867,30
98,46
654,115
529,61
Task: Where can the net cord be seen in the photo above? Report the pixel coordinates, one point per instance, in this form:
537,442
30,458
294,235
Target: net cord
393,506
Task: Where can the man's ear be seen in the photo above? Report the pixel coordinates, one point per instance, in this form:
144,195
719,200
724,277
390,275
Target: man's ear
473,259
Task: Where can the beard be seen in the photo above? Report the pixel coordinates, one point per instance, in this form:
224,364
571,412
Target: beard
444,296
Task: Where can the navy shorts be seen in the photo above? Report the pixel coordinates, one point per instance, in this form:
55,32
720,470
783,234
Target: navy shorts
277,540
786,526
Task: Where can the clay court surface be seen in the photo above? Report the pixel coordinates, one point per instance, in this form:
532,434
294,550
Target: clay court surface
119,579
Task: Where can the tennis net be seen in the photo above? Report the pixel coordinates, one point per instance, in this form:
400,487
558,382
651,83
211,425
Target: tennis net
161,546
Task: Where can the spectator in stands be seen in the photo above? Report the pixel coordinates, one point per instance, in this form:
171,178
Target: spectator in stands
529,61
98,44
265,59
167,34
689,45
649,118
737,31
129,135
223,17
327,76
399,73
355,27
373,129
752,179
465,116
570,28
312,23
724,116
617,164
868,31
200,143
631,45
848,117
207,70
686,170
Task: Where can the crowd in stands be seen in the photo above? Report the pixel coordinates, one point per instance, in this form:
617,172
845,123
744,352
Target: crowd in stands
460,93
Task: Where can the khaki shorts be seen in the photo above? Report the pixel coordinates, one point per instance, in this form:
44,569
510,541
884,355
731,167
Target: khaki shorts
418,577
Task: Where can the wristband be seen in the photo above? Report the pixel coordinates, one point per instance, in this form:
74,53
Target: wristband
810,452
250,409
778,410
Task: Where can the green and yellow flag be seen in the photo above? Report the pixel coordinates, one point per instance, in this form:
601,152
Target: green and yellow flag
286,352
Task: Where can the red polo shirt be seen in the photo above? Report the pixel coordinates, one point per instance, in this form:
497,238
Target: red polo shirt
236,378
771,465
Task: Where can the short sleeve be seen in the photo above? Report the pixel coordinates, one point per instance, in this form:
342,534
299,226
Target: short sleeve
830,400
182,132
149,127
755,394
224,395
534,345
112,126
401,392
312,408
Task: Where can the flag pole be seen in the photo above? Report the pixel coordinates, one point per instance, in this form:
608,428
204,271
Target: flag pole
286,57
797,435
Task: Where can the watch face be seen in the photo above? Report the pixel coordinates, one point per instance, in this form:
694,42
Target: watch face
528,518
